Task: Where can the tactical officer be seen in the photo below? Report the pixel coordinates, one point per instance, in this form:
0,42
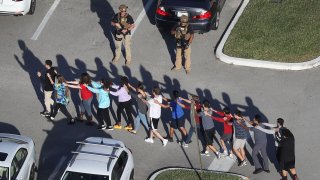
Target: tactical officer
183,34
123,24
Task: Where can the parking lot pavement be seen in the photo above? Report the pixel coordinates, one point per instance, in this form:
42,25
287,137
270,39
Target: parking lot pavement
77,38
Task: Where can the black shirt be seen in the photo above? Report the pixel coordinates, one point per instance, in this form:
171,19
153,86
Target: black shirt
47,84
116,19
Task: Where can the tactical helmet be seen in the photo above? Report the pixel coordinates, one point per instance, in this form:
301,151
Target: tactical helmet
184,19
123,7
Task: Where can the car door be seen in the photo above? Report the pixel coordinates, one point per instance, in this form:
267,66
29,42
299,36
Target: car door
18,168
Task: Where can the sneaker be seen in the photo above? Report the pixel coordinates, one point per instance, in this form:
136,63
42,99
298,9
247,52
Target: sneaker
230,156
45,114
149,140
206,153
218,155
257,171
102,127
133,131
165,142
110,128
128,128
51,117
243,163
116,126
267,171
185,145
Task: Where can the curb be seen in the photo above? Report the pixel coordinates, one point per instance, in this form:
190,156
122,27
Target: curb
157,172
253,62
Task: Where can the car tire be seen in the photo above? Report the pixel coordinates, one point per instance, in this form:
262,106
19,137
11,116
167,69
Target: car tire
32,7
217,20
32,172
132,174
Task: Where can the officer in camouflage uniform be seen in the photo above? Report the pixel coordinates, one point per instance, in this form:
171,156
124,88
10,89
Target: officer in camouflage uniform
123,24
183,34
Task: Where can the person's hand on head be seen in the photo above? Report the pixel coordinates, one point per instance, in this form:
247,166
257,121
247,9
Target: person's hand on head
39,74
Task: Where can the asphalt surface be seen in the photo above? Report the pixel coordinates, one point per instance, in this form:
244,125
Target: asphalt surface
77,38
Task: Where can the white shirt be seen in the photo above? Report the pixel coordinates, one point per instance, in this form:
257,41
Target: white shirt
155,109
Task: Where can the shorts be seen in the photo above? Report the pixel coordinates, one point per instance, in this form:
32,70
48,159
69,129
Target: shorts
226,137
177,123
154,123
239,143
209,134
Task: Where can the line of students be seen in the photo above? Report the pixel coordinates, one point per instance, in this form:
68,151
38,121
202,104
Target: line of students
235,126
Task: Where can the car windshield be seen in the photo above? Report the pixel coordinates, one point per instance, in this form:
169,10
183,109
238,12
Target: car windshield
4,173
82,176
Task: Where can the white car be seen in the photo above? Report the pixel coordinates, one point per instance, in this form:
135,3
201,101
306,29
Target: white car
17,157
100,158
17,7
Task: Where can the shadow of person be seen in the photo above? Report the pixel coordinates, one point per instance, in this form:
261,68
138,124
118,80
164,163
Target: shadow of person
8,128
31,64
234,108
170,43
105,13
253,110
69,73
59,142
147,79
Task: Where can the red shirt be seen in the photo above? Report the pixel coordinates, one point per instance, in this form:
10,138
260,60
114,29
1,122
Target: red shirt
227,128
198,109
85,93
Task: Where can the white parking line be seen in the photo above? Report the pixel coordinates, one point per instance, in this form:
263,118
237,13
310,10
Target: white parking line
56,170
141,15
45,20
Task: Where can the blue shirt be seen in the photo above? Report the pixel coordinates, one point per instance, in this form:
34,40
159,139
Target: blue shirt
103,98
177,111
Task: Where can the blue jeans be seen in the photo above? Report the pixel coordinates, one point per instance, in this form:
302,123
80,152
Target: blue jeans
140,117
85,106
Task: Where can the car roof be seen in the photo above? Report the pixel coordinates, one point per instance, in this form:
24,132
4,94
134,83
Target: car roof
9,148
10,144
96,155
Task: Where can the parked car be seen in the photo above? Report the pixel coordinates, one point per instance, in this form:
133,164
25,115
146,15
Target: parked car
204,15
17,7
100,159
17,157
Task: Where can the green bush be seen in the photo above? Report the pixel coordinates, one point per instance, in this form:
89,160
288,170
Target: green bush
181,174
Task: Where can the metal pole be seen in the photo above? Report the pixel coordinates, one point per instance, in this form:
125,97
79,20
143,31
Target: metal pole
193,125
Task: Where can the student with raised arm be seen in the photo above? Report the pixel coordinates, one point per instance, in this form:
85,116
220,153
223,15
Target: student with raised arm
62,94
239,142
177,115
154,115
260,144
209,129
142,107
103,104
226,118
125,103
86,97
